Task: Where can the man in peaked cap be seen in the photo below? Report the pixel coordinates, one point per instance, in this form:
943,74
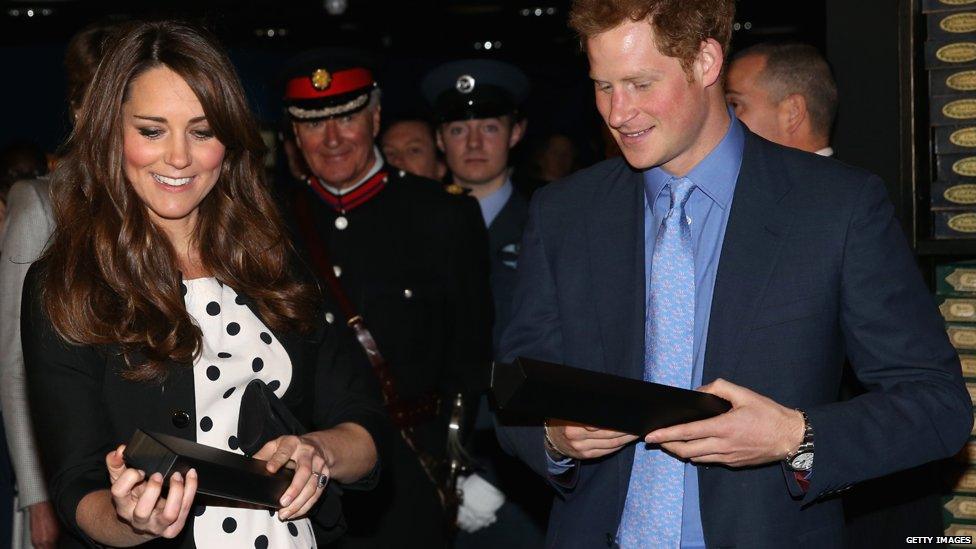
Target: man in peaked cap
476,106
410,259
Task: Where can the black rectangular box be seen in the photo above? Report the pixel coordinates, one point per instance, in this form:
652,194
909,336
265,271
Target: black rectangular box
952,110
930,6
953,196
949,26
951,81
954,224
545,390
221,474
954,168
942,54
955,139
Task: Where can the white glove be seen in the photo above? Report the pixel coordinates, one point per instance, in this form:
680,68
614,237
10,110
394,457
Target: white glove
481,501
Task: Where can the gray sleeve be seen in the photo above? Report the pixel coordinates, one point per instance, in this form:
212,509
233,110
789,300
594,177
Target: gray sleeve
29,225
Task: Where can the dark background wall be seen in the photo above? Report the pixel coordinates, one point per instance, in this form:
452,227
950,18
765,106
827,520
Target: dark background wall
862,47
409,37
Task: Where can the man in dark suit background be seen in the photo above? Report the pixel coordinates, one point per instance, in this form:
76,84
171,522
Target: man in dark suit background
709,255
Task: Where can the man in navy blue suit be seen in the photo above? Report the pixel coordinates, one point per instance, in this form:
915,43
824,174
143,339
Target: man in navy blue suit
708,255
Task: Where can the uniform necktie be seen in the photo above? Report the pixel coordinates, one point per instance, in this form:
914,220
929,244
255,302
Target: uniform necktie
652,511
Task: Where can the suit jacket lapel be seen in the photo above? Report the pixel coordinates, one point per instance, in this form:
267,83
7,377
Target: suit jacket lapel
616,251
755,233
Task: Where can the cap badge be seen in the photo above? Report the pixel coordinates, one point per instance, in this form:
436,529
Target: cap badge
465,83
321,79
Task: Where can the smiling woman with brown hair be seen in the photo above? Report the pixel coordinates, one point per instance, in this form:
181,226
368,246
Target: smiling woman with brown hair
166,291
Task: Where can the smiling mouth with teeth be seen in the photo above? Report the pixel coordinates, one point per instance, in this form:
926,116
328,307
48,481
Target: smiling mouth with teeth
171,181
637,134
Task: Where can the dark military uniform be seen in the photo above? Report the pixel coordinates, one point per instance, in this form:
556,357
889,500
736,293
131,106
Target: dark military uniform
410,261
504,241
478,89
410,257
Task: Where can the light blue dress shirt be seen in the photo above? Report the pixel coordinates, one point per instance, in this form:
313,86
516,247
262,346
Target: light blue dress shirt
492,204
708,207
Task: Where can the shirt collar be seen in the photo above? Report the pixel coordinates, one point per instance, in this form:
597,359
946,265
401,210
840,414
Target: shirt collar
826,151
715,174
492,204
377,164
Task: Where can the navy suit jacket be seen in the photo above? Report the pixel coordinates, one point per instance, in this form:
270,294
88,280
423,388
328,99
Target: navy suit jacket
813,267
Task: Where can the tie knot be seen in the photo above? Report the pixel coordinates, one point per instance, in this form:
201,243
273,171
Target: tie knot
680,191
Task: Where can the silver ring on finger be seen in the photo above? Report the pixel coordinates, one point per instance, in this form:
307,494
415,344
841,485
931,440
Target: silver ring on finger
321,479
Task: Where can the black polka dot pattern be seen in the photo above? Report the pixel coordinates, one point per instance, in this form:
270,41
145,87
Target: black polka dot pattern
225,364
182,289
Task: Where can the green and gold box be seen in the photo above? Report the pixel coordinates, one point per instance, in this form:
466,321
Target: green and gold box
956,279
958,309
962,336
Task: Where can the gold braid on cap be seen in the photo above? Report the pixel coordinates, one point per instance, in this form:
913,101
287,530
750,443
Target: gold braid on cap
329,111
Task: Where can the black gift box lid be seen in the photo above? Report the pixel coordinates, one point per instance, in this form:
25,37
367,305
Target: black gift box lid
545,390
220,473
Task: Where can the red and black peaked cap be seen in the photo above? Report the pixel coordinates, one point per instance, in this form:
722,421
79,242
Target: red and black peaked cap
326,83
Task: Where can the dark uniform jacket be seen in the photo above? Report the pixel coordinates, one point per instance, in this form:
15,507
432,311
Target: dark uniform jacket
83,409
504,242
412,261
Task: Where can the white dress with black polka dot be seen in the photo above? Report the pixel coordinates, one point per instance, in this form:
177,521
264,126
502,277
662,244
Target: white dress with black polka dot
237,348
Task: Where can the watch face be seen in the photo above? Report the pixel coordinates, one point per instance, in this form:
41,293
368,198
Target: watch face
802,462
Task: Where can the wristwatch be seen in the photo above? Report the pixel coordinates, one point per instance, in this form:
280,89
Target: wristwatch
551,449
801,459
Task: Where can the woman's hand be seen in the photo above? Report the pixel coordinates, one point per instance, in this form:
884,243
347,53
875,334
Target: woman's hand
137,501
310,460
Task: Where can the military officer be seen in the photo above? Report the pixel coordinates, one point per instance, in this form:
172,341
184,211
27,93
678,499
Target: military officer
409,259
476,104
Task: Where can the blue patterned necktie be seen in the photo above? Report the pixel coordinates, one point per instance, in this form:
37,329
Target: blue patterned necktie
652,512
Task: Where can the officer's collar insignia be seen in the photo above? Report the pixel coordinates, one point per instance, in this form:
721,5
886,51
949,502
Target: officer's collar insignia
321,79
454,188
465,83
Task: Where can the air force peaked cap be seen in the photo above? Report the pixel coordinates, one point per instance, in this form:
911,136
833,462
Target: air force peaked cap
327,82
474,88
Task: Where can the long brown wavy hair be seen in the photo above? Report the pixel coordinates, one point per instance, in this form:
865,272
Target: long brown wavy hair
111,276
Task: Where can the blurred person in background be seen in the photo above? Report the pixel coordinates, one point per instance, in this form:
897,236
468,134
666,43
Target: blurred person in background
28,228
409,144
784,92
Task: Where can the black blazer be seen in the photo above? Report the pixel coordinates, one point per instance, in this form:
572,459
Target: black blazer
813,266
83,408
